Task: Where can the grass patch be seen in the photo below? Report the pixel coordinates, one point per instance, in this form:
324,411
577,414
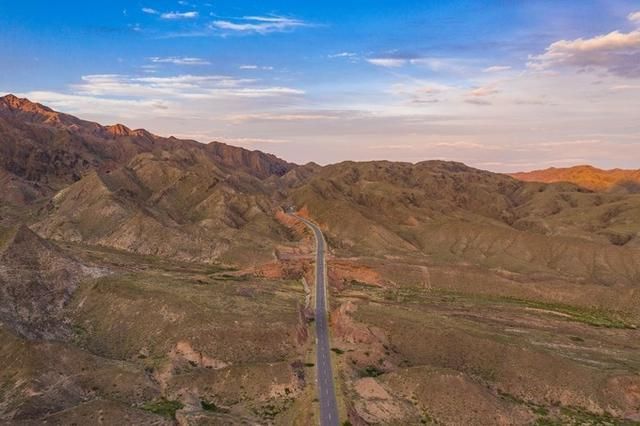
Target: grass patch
591,316
163,407
229,277
574,416
580,416
371,371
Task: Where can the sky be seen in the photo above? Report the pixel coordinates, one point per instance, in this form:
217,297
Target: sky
505,85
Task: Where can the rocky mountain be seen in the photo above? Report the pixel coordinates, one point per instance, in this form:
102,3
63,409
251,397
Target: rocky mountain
133,190
615,180
45,150
158,280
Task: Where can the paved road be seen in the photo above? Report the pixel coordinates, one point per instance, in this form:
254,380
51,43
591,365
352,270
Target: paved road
324,376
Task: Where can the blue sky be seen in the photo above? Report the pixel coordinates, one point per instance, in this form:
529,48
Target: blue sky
502,85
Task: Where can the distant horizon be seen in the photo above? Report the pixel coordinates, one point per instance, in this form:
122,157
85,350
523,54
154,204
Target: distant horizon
503,87
340,161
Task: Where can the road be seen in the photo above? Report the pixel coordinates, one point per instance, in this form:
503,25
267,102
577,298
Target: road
324,371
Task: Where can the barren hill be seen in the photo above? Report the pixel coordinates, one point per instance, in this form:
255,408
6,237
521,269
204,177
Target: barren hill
615,180
48,150
158,280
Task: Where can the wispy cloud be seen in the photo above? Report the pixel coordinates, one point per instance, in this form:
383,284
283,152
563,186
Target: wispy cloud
114,107
497,68
634,16
285,116
255,67
483,91
387,62
150,11
179,86
253,141
179,15
343,55
420,93
431,63
179,60
259,24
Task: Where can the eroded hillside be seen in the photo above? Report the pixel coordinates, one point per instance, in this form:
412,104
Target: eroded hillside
159,280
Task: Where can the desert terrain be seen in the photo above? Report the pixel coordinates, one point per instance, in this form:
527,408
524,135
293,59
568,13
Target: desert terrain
156,280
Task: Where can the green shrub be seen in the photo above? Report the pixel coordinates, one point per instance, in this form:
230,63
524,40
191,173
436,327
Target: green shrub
163,407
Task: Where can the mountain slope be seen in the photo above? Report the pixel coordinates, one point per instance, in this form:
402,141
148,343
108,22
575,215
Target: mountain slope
51,149
135,191
143,275
616,180
36,281
455,213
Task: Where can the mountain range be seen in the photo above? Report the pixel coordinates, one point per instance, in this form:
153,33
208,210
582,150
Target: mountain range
172,263
615,180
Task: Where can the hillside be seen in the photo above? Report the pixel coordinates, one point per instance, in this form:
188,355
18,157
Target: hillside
132,190
158,280
45,150
589,177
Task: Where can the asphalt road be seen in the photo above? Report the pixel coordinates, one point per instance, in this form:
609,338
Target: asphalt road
324,372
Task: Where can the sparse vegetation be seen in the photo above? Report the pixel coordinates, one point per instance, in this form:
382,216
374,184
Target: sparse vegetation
211,406
371,371
163,407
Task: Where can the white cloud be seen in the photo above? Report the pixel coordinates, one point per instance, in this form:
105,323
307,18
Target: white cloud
179,15
150,11
497,68
285,116
616,52
252,141
343,55
255,67
481,95
180,87
85,104
433,64
634,16
387,62
179,60
439,64
259,24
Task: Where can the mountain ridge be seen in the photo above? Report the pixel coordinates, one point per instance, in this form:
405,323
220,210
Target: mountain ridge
40,145
176,262
586,176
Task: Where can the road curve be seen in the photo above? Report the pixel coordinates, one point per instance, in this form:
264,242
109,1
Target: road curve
324,371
